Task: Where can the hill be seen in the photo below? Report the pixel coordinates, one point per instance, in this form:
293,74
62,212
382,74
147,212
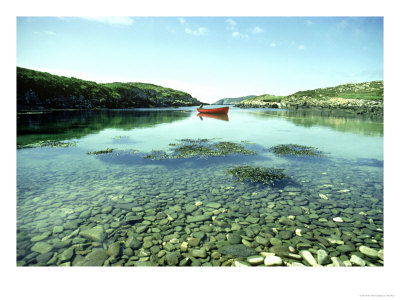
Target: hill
232,100
41,90
365,97
261,100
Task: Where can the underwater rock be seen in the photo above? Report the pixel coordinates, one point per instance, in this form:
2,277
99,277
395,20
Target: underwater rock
237,250
40,237
369,252
255,259
345,248
307,256
66,254
114,250
95,258
234,238
238,263
42,247
199,218
198,252
323,257
172,258
270,261
95,234
213,205
357,260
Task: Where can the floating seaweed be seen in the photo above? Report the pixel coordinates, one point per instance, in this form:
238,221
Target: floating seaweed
108,150
49,144
256,174
119,137
156,155
199,148
296,150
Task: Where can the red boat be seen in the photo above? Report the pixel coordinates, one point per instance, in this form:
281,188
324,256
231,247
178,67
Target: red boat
219,110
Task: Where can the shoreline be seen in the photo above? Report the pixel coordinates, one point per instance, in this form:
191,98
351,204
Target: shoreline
350,111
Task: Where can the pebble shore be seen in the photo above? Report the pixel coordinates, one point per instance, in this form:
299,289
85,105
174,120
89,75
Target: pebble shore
153,215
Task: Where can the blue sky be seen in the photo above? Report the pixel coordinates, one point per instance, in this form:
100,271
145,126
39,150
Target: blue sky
208,57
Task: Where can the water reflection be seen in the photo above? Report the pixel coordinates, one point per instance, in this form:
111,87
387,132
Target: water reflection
222,117
65,125
363,125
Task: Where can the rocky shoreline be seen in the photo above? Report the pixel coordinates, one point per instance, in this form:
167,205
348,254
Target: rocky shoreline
352,106
364,98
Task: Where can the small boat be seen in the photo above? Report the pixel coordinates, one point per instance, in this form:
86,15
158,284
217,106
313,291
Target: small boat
219,110
223,117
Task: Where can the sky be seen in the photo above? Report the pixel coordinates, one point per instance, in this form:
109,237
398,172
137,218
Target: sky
208,57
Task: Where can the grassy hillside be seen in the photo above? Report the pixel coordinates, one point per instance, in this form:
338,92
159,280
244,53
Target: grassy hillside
367,91
233,100
262,100
42,90
365,97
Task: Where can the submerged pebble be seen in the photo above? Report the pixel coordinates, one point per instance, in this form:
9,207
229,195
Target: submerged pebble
190,216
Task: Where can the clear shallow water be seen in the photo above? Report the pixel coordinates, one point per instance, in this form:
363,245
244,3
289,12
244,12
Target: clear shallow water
79,209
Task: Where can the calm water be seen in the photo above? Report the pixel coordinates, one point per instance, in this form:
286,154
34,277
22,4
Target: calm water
80,209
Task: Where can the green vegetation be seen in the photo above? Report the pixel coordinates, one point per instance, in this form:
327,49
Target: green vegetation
233,100
48,144
268,176
107,151
262,99
42,90
367,91
295,150
199,148
360,98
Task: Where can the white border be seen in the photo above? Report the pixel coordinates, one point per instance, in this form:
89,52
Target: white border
196,283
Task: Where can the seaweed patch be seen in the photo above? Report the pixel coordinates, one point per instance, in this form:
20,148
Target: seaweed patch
267,176
296,150
106,151
49,144
199,148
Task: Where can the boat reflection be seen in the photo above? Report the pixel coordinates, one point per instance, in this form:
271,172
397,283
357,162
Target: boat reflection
223,117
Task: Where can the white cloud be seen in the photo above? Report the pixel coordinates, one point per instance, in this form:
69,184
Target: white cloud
198,31
273,44
111,20
50,32
301,47
189,30
238,34
182,21
256,30
308,22
231,24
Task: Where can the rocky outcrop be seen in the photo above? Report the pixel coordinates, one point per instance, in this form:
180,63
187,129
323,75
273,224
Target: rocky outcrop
362,98
43,91
233,100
